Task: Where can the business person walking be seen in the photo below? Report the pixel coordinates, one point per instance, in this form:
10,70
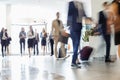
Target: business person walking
75,15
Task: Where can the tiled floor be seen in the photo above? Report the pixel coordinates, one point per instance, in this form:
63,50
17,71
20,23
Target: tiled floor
48,68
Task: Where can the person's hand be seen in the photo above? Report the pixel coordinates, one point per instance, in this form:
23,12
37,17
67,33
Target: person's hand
65,34
97,33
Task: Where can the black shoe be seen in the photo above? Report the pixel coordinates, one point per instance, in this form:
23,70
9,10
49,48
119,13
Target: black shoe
37,53
51,55
78,63
75,65
2,55
29,56
108,60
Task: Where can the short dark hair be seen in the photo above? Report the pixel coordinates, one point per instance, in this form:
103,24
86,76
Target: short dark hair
105,3
5,29
57,13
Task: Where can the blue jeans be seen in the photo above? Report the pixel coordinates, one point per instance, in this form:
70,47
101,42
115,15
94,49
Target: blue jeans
22,41
75,36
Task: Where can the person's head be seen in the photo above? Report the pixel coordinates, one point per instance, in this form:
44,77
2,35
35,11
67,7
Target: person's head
22,29
88,20
5,30
31,29
105,5
57,15
43,30
2,29
35,30
116,1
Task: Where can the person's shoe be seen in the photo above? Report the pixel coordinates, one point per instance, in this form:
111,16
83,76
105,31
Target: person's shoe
37,53
34,53
51,55
108,60
75,65
29,56
78,63
3,55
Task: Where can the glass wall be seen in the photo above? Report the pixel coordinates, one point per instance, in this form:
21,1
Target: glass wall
15,29
2,16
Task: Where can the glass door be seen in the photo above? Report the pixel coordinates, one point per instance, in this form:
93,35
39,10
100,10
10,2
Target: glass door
15,30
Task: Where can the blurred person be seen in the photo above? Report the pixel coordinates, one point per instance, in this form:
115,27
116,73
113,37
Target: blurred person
43,40
7,41
51,40
3,41
115,9
74,20
36,41
102,21
31,36
22,36
0,34
57,29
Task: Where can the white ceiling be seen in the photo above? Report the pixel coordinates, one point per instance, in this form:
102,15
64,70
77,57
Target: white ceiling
31,1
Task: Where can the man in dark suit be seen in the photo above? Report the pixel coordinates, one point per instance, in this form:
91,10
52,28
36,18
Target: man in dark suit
22,36
103,23
74,20
36,42
51,43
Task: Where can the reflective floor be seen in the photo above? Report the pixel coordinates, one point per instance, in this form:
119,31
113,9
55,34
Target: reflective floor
48,68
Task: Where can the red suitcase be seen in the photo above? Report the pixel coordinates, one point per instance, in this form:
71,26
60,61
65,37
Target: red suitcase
86,52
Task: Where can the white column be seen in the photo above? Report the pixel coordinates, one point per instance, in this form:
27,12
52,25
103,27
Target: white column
8,18
8,23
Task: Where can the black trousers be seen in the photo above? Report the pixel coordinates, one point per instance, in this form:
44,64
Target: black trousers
3,45
22,45
107,39
36,47
52,45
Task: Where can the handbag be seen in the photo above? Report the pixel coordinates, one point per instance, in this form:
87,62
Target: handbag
63,39
66,31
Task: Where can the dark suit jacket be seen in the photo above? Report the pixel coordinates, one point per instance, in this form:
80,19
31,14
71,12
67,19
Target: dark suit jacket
102,21
72,17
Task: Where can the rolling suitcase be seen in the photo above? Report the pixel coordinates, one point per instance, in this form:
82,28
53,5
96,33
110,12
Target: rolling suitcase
86,52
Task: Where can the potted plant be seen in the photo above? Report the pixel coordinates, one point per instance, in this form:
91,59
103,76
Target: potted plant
88,33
